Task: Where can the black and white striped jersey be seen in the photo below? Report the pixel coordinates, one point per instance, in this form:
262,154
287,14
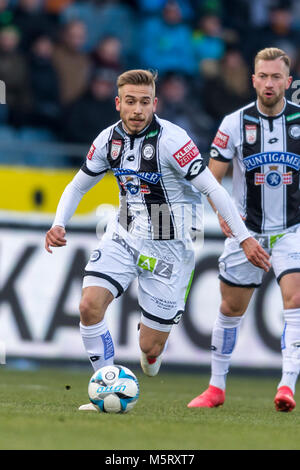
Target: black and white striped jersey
153,170
265,152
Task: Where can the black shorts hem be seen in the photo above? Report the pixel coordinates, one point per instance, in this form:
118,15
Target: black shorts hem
288,271
162,321
232,284
115,283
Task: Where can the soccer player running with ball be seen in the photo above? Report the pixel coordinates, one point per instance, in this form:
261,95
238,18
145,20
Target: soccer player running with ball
159,171
263,142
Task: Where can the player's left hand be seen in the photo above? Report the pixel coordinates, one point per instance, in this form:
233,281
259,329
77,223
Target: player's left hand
256,254
55,237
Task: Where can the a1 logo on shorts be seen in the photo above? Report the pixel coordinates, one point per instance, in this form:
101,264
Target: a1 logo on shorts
146,262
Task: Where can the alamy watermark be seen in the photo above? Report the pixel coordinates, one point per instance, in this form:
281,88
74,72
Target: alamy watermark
2,92
2,353
156,221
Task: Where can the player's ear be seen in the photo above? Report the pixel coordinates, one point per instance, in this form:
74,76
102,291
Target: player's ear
117,102
155,101
253,80
289,81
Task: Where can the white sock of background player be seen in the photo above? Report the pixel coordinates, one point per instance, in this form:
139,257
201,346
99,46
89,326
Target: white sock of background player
98,344
224,338
290,348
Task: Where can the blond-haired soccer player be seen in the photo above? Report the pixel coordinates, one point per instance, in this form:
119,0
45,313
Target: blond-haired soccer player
158,169
263,142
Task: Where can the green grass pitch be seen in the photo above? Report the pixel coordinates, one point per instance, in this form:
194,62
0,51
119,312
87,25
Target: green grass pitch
38,410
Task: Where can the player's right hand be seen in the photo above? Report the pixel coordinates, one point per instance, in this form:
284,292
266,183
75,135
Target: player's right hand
256,254
55,237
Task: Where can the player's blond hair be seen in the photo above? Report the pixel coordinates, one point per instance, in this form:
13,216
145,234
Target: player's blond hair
137,77
273,53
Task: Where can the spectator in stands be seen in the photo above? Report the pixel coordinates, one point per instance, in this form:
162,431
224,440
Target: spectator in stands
56,6
32,20
15,73
6,14
44,84
86,117
208,38
71,64
154,7
108,54
105,18
227,86
279,31
167,42
177,103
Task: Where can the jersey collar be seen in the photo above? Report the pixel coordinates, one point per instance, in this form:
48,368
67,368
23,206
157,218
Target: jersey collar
151,127
265,116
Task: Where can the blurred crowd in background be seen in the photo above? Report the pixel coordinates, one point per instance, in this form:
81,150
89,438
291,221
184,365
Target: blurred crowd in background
60,59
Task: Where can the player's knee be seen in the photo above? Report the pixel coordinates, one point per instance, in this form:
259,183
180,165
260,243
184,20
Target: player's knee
292,301
231,308
89,312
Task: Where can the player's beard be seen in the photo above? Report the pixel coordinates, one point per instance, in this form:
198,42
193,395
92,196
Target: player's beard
270,103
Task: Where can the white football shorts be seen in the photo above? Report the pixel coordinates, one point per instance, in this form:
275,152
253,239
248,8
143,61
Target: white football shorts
164,269
284,249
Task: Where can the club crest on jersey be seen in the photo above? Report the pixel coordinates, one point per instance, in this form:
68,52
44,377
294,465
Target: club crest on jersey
251,133
148,152
294,131
273,179
116,146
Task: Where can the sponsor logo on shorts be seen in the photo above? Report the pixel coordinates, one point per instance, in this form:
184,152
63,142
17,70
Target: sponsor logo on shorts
221,140
157,266
186,154
177,318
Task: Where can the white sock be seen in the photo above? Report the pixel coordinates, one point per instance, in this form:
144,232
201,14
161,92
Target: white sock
290,348
224,337
98,344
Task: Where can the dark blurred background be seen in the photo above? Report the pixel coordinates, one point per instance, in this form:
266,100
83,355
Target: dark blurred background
60,59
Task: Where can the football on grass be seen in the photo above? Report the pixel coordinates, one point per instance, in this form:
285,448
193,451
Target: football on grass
113,389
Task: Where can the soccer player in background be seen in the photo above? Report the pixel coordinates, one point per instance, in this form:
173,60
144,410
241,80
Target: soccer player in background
159,170
263,142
